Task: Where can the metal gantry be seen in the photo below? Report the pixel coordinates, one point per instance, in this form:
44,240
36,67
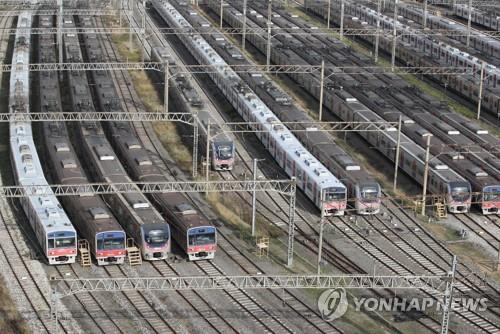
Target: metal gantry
285,187
99,116
64,287
438,285
272,69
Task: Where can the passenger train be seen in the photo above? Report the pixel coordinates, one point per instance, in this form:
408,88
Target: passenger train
488,46
487,19
89,213
53,229
317,182
423,51
138,217
364,192
191,230
221,145
442,180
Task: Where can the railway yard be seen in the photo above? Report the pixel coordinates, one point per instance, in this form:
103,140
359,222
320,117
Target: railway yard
236,166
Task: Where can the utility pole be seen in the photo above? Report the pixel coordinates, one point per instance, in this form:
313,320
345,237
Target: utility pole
377,36
394,34
221,13
426,173
244,34
207,154
342,18
143,29
321,227
269,22
469,23
480,96
425,14
396,158
59,31
254,196
321,89
329,14
165,88
448,297
195,145
121,12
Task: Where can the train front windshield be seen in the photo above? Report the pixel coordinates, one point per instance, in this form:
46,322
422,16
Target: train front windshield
224,151
201,236
65,239
491,194
335,194
111,240
460,191
370,193
157,238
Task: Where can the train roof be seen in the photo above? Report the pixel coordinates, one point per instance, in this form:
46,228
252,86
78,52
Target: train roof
23,150
281,135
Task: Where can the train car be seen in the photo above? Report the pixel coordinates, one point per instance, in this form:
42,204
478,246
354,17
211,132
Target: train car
487,19
456,190
90,214
431,53
53,230
222,155
135,213
364,192
312,177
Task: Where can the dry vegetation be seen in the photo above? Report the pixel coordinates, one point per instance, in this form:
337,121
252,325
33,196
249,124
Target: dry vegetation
10,318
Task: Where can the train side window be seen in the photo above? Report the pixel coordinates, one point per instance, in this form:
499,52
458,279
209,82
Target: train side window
309,186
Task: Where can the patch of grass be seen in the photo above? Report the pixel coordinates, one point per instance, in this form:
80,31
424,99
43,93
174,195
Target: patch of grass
238,214
442,232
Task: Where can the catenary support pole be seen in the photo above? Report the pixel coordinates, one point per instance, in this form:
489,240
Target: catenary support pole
426,172
254,196
396,157
166,86
195,145
480,96
469,21
244,34
291,223
425,14
207,154
377,36
321,90
328,14
448,297
342,11
321,227
394,35
221,13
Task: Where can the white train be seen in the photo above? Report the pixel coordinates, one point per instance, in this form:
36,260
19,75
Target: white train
51,225
312,177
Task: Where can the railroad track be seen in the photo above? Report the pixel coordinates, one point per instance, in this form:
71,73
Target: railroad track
482,230
30,286
128,96
315,219
372,249
236,261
